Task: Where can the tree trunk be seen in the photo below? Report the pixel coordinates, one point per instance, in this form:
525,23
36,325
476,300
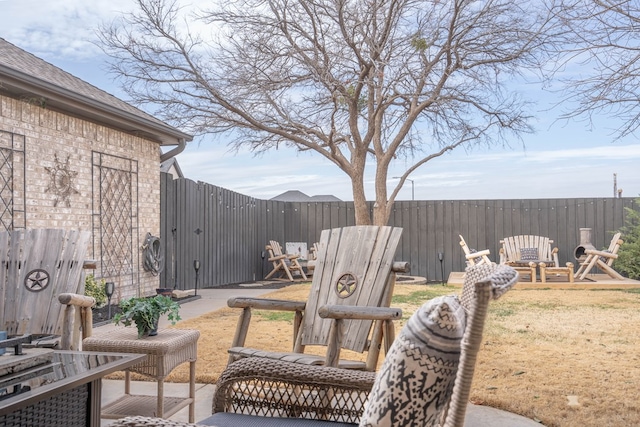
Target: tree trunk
381,212
382,207
361,209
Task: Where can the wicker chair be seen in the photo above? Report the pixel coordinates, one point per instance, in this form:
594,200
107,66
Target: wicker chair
267,392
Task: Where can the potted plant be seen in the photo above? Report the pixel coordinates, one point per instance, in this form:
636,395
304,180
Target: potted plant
145,313
95,288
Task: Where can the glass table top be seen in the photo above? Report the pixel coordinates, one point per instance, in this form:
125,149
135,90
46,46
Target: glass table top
36,372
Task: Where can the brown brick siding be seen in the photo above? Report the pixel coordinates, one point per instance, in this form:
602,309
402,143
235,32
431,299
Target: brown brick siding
49,133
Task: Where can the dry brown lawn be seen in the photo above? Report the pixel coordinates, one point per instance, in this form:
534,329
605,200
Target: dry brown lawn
563,357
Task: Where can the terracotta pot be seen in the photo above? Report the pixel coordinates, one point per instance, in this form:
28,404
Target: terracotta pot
167,292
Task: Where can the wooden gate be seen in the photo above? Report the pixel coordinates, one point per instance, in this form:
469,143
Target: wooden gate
36,266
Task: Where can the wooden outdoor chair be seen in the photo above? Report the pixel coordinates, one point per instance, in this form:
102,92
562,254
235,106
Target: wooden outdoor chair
38,266
351,288
313,256
603,259
526,252
262,392
472,256
285,265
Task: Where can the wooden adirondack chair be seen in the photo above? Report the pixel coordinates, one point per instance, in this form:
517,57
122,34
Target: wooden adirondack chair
603,259
285,265
37,266
352,287
472,256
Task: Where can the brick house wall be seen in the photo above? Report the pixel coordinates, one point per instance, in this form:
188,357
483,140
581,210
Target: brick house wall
58,146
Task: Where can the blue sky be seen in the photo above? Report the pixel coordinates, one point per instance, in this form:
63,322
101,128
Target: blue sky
560,160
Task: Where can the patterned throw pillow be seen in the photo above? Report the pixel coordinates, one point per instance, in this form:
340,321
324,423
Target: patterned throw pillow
416,378
528,254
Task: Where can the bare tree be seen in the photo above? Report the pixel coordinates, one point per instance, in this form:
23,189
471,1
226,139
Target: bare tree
353,80
601,61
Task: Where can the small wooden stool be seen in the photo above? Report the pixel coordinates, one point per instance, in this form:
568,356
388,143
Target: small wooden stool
544,270
525,268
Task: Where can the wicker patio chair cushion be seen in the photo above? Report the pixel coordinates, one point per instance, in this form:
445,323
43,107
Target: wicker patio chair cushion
416,379
223,419
528,254
227,419
140,421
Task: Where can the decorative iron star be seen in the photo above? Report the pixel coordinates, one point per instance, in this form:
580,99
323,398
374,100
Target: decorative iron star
36,280
346,285
61,181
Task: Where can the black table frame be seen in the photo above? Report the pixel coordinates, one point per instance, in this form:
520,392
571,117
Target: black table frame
73,401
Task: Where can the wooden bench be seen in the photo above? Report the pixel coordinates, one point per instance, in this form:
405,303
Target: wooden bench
526,252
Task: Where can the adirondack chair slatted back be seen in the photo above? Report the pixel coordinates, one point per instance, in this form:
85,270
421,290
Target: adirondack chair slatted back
276,248
36,266
353,267
613,248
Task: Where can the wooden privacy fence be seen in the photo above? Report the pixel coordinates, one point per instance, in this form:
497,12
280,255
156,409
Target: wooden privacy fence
226,232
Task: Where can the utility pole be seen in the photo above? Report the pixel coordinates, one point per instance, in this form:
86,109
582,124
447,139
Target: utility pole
413,194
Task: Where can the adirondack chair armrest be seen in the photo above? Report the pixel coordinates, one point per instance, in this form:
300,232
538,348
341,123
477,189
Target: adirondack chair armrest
246,304
77,322
277,258
605,254
266,304
76,299
503,256
365,313
478,254
401,267
554,257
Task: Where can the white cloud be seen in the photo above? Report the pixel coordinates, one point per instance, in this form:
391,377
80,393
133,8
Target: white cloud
58,27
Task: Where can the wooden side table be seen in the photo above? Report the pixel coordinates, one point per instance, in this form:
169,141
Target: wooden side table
544,270
165,351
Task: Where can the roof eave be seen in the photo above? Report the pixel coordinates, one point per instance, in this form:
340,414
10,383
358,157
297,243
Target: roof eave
17,83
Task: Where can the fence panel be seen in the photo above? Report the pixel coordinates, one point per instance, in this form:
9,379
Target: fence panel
234,228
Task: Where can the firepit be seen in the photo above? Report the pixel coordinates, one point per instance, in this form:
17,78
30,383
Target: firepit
580,252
